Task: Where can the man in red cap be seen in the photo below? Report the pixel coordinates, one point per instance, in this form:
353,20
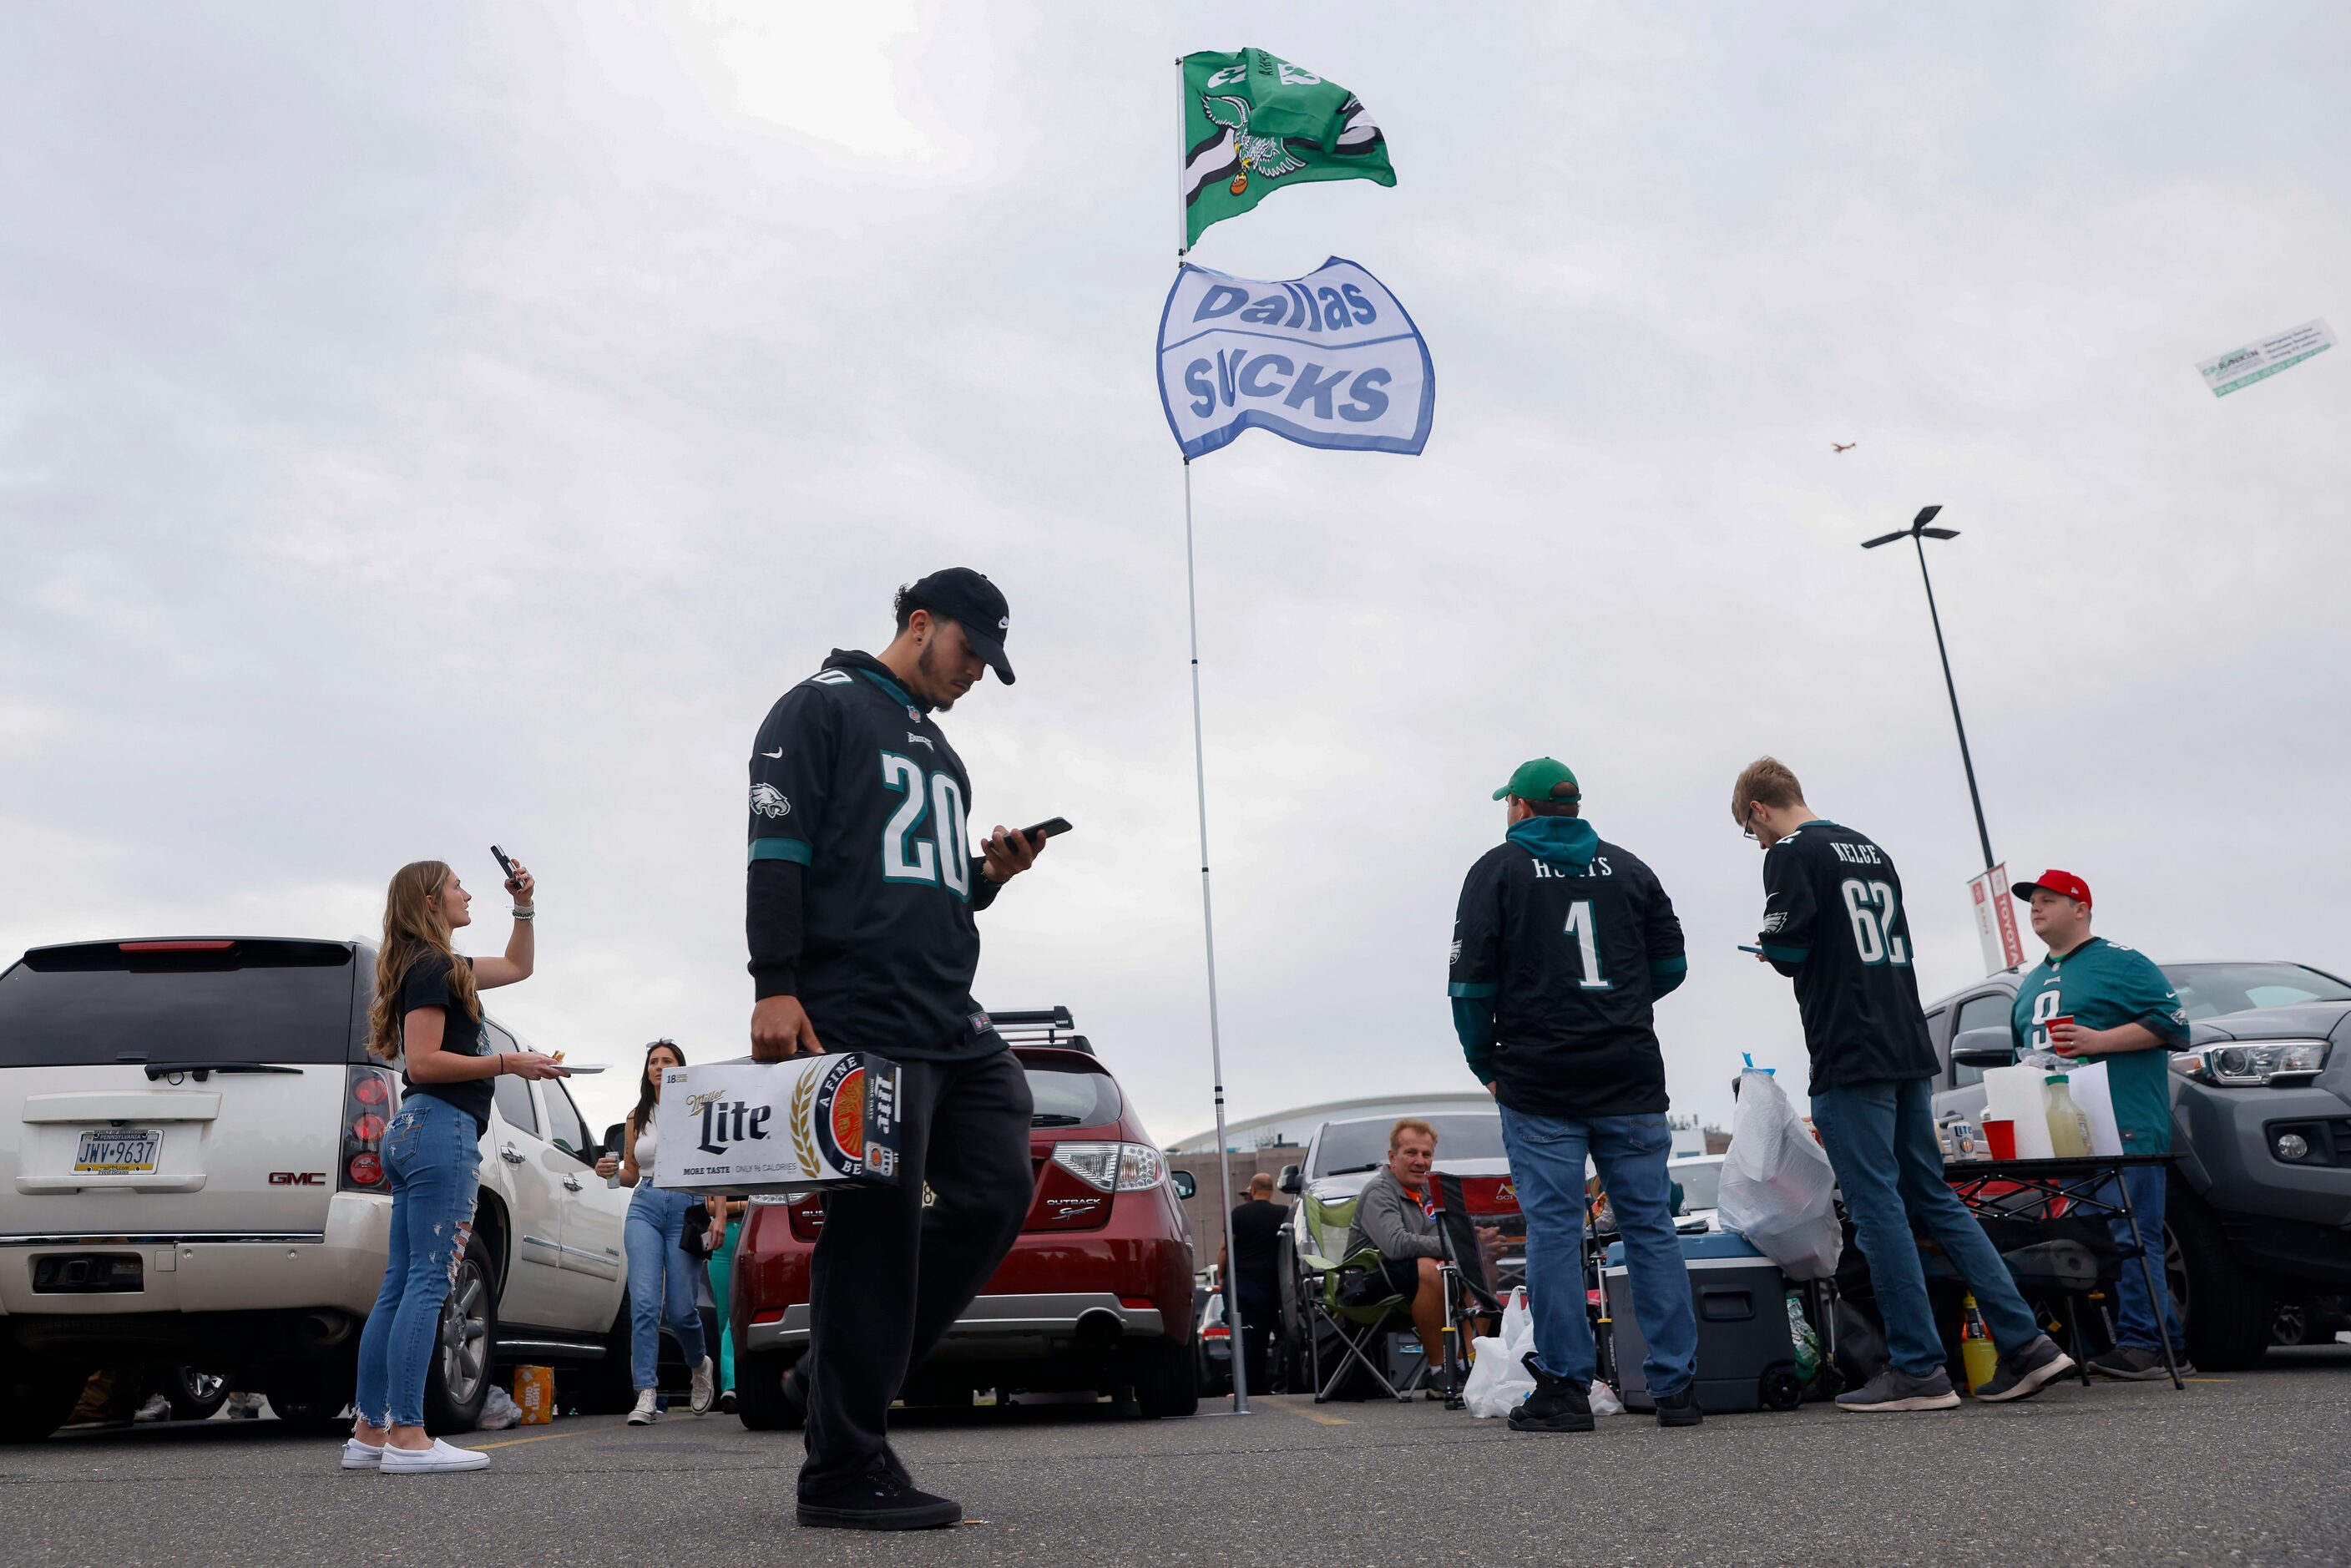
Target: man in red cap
2096,1000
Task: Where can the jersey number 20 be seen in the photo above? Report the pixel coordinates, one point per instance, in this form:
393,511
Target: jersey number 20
945,855
1870,906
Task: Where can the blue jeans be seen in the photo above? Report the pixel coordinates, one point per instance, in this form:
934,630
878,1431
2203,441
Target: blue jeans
432,1152
661,1281
1547,1156
1880,1139
2134,1309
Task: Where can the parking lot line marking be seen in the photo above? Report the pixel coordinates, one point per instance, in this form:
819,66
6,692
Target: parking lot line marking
518,1442
1314,1416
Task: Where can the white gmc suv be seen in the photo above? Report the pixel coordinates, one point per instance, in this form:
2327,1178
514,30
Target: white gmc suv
191,1176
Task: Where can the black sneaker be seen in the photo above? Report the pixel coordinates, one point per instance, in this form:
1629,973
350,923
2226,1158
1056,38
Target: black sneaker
2027,1372
878,1501
1680,1410
1555,1405
2134,1363
1893,1389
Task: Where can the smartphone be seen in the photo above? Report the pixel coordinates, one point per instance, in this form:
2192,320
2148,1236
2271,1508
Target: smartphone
505,865
1050,827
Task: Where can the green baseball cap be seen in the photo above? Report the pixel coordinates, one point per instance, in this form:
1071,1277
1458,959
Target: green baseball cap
1544,779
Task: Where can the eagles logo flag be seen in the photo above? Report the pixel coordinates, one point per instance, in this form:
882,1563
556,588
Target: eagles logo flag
1254,122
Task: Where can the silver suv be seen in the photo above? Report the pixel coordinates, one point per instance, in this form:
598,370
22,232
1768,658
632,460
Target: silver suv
2257,1232
190,1154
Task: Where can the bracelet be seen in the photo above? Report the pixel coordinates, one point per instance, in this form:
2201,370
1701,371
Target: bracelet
526,912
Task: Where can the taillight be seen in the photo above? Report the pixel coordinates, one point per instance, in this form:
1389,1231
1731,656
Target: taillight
1112,1167
367,1094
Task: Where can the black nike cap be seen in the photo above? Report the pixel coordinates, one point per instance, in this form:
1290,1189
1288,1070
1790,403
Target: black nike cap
974,603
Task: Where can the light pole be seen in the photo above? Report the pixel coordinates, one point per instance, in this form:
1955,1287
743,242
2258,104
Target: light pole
1918,533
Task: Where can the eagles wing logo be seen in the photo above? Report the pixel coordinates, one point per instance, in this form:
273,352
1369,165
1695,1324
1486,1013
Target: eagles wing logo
768,801
1266,154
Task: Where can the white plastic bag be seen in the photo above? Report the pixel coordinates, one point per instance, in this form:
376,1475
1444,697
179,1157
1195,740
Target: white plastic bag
1777,1189
1499,1379
498,1411
1604,1399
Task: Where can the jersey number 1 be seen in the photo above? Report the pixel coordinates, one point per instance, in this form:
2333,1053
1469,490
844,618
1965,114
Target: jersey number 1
1582,927
1872,908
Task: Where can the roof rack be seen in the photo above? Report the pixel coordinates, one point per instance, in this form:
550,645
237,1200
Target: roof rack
1046,1026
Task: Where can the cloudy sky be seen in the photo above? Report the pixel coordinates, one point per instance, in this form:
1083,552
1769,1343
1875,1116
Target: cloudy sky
425,425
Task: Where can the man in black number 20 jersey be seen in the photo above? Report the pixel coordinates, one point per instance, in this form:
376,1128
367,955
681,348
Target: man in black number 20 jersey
1833,922
863,884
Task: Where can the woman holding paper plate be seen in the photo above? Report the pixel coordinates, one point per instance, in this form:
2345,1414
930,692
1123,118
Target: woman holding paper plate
661,1274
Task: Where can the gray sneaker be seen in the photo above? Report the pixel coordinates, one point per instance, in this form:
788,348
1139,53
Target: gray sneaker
2134,1363
1893,1389
2026,1372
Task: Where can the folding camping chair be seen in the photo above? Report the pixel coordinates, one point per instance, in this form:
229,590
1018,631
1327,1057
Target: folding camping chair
1357,1326
1468,1285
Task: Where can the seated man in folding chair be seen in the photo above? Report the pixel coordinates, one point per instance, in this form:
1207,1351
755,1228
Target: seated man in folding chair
1395,1217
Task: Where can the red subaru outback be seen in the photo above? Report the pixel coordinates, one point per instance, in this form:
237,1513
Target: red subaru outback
1096,1294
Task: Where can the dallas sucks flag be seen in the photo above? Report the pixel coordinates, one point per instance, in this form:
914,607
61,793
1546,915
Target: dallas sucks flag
1253,122
1329,360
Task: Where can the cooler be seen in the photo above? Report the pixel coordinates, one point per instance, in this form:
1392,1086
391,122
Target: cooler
1746,1356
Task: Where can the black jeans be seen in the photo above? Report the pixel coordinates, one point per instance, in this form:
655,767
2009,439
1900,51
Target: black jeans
1261,1304
890,1275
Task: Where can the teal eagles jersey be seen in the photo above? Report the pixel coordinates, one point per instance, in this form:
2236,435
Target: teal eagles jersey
2104,984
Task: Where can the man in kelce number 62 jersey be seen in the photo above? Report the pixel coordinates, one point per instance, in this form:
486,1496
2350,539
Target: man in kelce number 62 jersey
862,885
1833,922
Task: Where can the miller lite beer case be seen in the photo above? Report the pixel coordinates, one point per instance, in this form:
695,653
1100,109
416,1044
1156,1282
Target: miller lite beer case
759,1128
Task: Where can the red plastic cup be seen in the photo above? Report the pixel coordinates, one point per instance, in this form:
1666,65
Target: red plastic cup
2001,1136
2051,1027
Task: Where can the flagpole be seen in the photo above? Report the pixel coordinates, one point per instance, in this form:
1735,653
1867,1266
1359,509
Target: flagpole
1233,1323
1208,928
1182,130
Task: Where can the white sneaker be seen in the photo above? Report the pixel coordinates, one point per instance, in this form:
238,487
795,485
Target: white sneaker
705,1388
429,1461
644,1415
359,1456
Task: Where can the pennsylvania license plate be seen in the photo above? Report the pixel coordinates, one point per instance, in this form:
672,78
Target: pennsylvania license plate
117,1151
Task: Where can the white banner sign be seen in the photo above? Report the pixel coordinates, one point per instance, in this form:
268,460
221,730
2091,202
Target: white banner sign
2003,946
1327,360
2241,368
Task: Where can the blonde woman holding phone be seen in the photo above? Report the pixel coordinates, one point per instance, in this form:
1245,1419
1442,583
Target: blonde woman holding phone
428,1018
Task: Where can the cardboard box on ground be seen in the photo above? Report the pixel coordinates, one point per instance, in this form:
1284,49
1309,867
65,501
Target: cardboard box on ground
762,1128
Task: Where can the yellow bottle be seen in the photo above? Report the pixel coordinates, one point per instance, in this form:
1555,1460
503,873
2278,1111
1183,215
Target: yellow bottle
1977,1356
2069,1130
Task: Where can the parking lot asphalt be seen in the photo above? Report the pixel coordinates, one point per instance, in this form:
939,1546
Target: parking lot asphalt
2252,1468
